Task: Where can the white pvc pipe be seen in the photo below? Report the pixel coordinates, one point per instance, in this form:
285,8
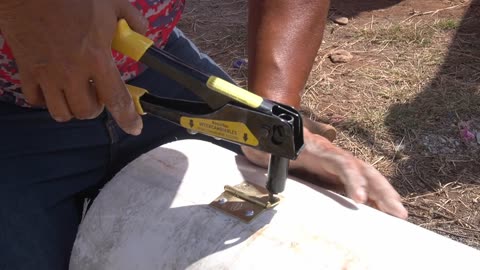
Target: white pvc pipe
155,215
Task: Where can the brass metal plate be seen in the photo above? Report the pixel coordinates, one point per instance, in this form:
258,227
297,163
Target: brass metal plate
245,201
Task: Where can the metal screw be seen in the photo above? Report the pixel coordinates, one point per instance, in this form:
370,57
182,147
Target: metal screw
249,213
264,132
222,200
192,132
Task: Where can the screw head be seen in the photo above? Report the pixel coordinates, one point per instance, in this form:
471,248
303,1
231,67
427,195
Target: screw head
192,132
249,213
222,200
264,132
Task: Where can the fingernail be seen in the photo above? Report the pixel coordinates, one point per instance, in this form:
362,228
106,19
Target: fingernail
361,196
402,212
137,130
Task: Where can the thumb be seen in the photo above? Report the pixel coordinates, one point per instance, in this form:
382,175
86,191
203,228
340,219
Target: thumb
134,18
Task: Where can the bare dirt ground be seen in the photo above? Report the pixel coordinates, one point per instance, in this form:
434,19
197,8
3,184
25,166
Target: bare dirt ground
408,101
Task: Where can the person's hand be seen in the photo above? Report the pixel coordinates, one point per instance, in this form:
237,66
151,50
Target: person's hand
63,52
323,161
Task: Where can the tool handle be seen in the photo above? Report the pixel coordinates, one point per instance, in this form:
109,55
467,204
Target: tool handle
135,46
129,42
136,93
234,92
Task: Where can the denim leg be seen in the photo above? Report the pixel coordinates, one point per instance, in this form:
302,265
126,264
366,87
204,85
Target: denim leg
43,166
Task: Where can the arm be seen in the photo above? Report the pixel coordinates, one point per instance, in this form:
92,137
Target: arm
284,37
283,40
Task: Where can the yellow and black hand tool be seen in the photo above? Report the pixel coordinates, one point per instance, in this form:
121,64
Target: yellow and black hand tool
228,111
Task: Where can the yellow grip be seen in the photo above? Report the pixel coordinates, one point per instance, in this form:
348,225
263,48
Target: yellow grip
237,93
129,42
137,93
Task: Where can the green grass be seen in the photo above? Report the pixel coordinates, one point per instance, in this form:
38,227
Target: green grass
399,35
447,24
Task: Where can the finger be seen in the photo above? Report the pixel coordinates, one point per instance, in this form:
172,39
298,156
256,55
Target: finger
134,18
82,98
54,95
355,183
383,195
31,89
257,157
112,92
57,105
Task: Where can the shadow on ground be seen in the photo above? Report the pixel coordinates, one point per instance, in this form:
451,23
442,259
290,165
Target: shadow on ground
351,8
438,131
443,121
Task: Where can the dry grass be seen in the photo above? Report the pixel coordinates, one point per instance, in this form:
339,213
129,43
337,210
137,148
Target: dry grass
223,36
451,210
399,104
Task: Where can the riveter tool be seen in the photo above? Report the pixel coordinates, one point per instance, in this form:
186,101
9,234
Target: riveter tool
228,112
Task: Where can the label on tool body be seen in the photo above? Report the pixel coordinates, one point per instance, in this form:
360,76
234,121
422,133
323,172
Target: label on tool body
232,131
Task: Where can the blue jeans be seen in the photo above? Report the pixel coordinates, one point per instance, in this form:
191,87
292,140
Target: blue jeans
47,168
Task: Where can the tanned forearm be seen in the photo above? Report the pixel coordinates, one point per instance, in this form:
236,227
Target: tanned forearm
283,39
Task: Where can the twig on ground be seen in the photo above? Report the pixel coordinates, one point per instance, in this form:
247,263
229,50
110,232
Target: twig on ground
378,160
433,12
471,230
430,210
451,233
444,208
425,195
435,223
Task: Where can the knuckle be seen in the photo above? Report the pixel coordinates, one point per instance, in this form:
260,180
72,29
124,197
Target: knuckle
347,165
100,62
39,68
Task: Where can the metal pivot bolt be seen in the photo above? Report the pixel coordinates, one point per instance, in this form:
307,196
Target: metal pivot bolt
249,213
222,200
192,132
